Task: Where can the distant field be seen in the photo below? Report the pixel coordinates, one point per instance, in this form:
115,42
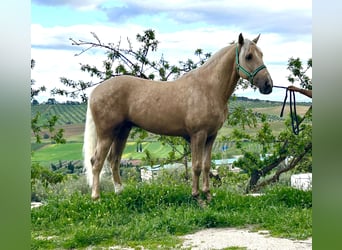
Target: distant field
67,114
53,153
301,110
72,118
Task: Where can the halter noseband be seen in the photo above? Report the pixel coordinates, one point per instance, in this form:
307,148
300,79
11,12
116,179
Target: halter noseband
246,72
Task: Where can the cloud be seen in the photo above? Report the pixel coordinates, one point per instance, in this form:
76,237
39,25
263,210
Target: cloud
287,17
255,16
210,25
58,37
78,4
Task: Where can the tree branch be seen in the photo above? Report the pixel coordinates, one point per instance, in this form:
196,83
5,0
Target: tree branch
276,176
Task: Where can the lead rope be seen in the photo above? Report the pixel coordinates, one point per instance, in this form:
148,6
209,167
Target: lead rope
293,109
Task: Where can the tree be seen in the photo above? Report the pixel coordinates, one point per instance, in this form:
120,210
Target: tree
136,62
38,172
126,61
275,149
37,126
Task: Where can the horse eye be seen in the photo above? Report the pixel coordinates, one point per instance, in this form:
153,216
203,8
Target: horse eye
249,57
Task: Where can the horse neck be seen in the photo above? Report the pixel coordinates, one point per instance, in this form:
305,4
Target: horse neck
221,73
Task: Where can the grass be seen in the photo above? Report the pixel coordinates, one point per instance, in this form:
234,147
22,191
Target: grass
71,151
55,152
156,148
154,214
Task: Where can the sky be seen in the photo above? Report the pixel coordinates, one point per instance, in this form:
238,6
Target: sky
181,26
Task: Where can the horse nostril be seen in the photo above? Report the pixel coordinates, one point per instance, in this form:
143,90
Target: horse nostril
267,84
267,87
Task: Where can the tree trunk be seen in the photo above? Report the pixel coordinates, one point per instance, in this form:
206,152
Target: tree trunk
256,174
275,178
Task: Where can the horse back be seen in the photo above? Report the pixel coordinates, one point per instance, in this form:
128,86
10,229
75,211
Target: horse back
158,107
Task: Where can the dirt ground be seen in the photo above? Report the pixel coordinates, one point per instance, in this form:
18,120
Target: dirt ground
72,130
220,238
223,238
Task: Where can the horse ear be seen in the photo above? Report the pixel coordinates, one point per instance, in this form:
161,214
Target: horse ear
255,40
241,39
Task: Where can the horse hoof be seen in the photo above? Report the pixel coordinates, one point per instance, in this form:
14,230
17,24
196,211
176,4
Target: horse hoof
209,197
196,196
118,188
95,197
199,200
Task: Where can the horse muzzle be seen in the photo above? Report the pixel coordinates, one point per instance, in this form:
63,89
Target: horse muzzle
266,87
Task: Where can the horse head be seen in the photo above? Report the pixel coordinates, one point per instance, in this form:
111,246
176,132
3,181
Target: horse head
250,65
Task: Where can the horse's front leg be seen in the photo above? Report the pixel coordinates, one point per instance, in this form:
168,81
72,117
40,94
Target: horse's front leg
197,153
207,165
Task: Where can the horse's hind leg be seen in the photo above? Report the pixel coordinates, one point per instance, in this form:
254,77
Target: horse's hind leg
115,154
102,148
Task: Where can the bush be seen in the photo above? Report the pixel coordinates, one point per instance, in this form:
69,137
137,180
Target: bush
289,197
233,181
41,179
45,175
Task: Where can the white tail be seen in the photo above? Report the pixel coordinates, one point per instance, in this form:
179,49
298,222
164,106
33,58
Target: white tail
89,145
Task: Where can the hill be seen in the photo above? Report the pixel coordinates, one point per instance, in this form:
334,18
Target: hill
74,114
67,114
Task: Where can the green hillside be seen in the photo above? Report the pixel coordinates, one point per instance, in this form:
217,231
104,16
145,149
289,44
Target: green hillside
67,114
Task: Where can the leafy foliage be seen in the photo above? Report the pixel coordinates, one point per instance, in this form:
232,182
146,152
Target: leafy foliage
298,73
273,149
38,127
34,91
126,61
41,178
242,116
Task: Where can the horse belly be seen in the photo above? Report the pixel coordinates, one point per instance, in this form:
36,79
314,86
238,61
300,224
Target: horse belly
158,119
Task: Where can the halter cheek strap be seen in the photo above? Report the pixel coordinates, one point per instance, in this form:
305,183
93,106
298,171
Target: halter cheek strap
245,71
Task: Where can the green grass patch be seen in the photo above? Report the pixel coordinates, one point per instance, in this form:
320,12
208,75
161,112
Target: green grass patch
55,152
51,153
155,148
154,214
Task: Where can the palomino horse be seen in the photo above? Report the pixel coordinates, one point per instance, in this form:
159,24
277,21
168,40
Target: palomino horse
193,107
